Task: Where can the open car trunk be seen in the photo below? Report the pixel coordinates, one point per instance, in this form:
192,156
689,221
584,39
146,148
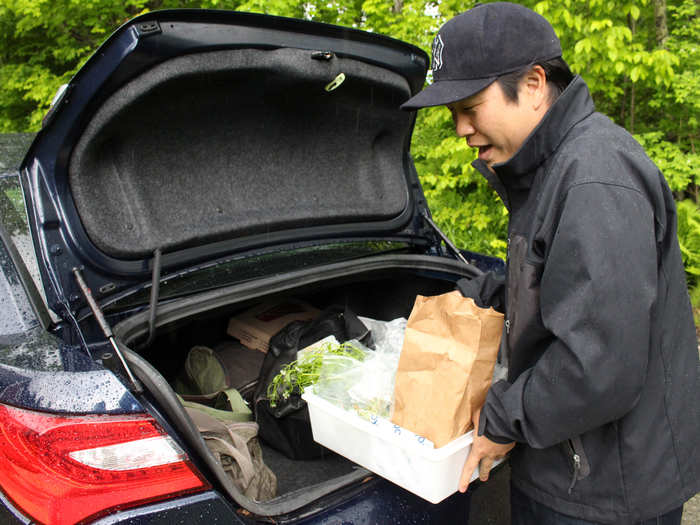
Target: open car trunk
382,287
193,140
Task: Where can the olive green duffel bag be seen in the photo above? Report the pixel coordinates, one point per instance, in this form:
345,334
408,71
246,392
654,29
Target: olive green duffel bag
207,372
235,445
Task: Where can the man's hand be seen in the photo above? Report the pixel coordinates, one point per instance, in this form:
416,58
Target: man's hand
483,454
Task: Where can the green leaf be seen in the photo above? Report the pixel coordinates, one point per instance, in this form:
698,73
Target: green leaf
634,74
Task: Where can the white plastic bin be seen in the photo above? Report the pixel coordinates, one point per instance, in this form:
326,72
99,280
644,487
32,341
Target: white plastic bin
433,474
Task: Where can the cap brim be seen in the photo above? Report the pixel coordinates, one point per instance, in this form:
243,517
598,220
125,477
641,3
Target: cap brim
446,91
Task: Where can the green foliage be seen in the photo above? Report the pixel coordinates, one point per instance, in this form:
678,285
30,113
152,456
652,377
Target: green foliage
674,113
410,23
42,44
646,83
602,42
294,377
679,168
689,239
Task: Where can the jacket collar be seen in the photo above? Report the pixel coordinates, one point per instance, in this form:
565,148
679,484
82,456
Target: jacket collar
572,106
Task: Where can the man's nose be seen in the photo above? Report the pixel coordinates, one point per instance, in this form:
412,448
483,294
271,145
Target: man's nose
464,126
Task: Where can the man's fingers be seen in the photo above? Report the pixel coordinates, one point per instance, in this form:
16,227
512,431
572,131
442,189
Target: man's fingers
469,467
482,455
484,468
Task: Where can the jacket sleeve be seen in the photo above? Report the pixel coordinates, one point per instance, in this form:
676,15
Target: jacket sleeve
487,290
597,294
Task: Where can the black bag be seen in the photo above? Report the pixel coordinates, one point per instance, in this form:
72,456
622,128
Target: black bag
286,426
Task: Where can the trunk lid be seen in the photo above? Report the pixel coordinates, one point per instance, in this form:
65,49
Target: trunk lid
211,134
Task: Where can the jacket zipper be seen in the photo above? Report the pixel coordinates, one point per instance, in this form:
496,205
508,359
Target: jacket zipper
507,320
582,468
577,466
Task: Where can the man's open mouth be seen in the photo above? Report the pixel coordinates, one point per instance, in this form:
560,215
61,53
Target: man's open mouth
484,149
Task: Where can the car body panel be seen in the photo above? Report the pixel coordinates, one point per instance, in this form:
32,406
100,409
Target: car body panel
198,509
389,504
38,370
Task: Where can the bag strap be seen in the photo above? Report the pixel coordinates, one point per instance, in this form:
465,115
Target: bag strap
231,400
212,429
229,407
244,461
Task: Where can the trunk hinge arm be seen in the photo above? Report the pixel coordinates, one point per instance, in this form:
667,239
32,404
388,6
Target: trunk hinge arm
449,243
155,292
99,316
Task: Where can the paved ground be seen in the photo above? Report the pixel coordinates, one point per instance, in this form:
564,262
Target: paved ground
691,511
489,505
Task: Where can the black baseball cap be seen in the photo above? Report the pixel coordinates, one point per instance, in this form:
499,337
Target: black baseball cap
474,48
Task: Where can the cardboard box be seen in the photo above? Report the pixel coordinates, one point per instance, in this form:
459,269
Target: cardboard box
256,326
431,473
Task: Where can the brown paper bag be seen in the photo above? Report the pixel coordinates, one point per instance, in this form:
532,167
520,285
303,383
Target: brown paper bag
446,365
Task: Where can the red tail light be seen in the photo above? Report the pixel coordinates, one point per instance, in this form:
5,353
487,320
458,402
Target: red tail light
60,469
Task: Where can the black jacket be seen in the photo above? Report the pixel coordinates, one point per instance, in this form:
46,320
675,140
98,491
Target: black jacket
603,390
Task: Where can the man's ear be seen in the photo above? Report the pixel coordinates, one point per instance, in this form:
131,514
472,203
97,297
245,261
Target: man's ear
535,89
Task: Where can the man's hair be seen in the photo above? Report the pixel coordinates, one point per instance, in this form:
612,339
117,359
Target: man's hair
556,70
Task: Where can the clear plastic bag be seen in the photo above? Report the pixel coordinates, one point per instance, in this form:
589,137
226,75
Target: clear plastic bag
339,373
387,335
367,385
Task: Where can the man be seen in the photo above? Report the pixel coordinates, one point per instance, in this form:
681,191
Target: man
601,400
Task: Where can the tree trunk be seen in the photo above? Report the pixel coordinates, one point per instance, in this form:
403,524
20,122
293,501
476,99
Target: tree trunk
630,127
398,6
660,21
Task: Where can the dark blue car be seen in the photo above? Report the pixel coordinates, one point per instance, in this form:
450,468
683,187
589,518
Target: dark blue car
201,162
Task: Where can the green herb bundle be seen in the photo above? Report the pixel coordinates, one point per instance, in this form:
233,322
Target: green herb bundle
297,375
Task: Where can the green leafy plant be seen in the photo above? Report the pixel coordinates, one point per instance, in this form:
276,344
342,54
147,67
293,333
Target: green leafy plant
678,166
294,377
689,239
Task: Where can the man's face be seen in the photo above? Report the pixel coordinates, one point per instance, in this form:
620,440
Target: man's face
493,124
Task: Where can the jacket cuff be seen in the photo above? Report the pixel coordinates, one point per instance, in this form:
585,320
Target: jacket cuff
488,435
484,431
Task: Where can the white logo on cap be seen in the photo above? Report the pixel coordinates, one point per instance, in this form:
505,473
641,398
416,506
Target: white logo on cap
438,46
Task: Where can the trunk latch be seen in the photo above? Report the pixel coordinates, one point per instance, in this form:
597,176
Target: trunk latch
148,28
322,55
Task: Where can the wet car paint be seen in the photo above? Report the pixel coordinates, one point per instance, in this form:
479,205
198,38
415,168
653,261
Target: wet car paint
389,504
